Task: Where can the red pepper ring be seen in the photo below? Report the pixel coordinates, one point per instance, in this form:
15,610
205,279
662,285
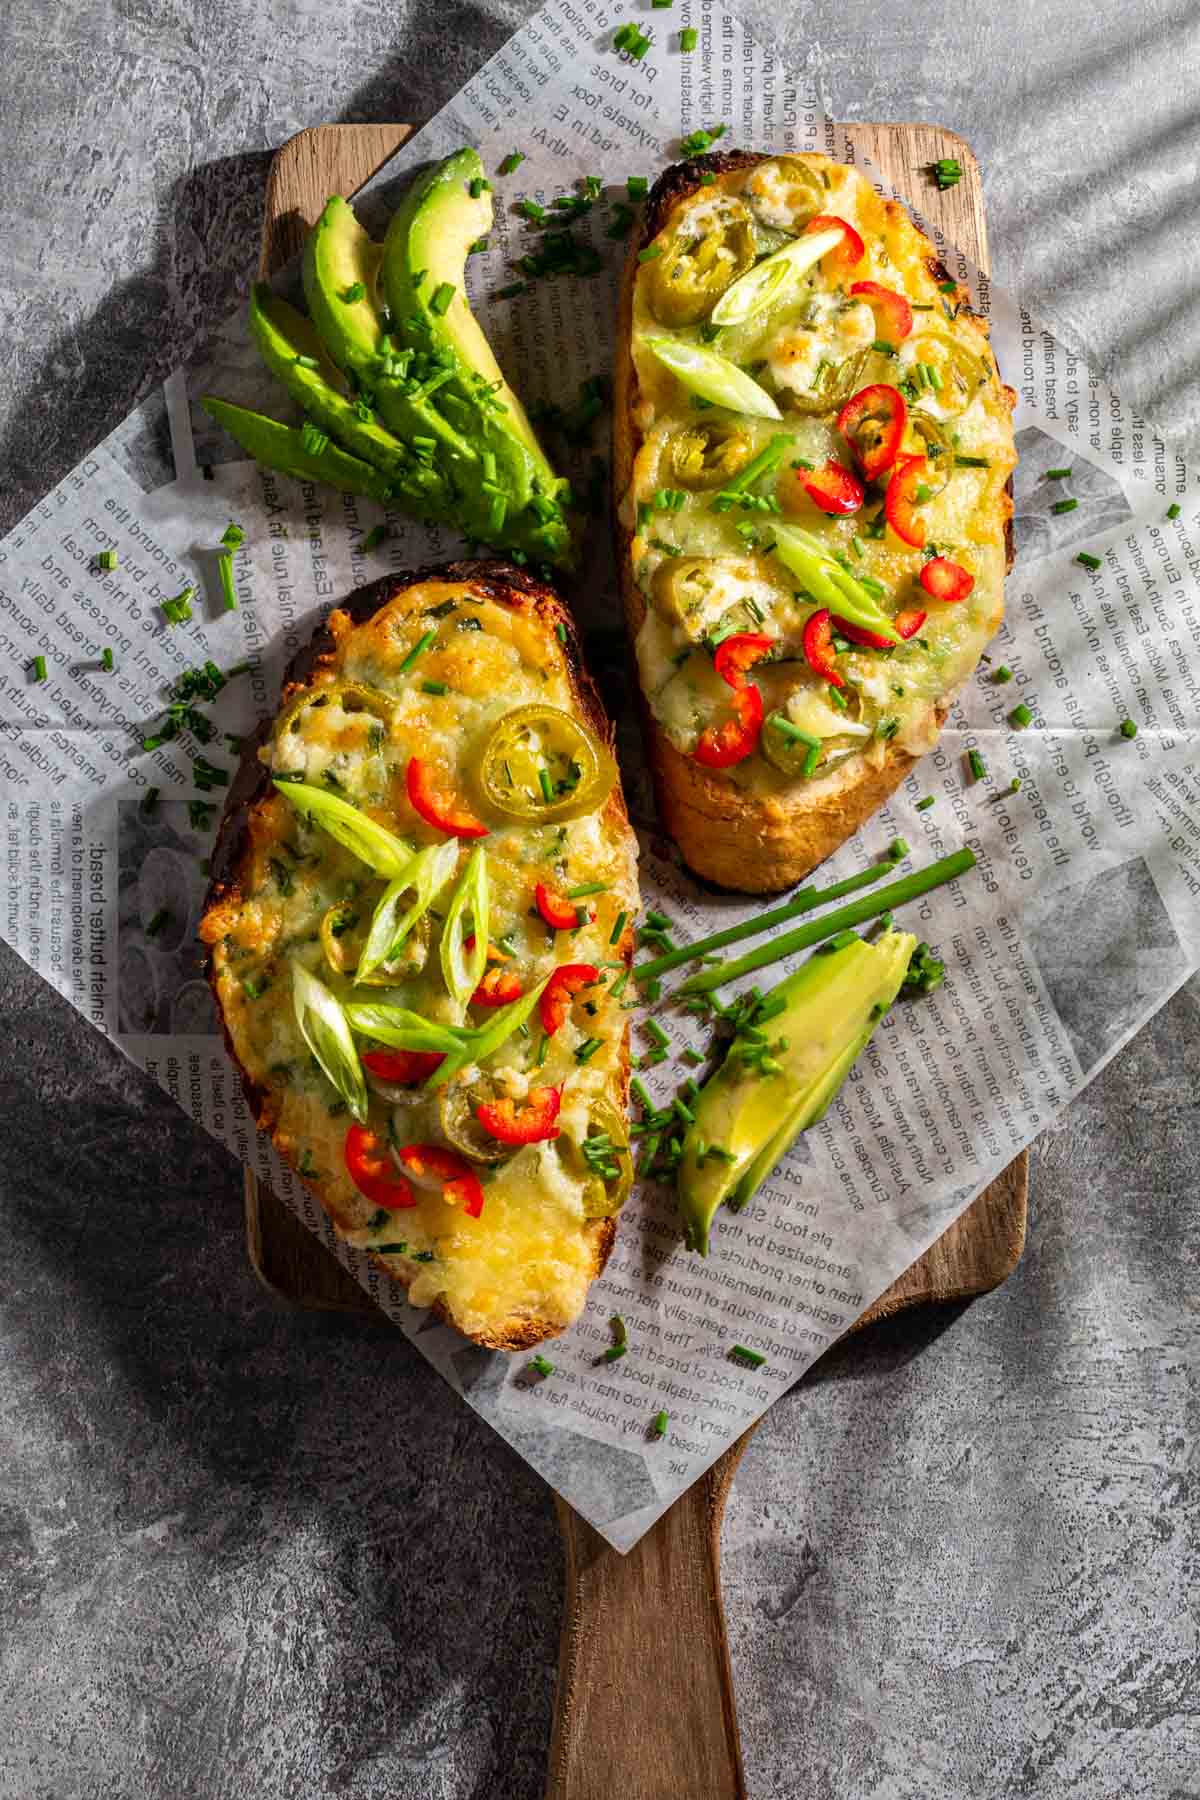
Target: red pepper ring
818,647
946,580
536,1123
909,622
721,746
439,809
873,423
835,488
850,251
900,502
499,987
893,314
404,1067
373,1172
858,634
459,1183
734,655
556,997
556,910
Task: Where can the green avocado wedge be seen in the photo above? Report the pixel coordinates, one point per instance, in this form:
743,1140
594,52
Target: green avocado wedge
289,346
775,1084
423,278
340,258
282,447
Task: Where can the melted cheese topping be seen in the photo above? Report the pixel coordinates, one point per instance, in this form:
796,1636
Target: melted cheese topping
532,1250
701,577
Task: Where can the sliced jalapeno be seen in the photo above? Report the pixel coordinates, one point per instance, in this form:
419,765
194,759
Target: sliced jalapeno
457,1103
944,369
699,261
838,381
602,1157
351,696
541,763
785,193
704,456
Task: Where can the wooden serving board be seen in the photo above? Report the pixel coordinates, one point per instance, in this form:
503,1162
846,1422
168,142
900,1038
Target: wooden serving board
672,1737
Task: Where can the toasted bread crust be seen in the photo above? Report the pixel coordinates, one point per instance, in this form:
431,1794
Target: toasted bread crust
752,844
507,585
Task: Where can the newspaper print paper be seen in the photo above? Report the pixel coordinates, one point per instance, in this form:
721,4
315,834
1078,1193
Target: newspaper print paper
1080,921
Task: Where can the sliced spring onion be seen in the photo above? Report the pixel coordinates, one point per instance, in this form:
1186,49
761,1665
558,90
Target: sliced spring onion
754,291
463,970
373,844
325,1030
808,559
401,1029
714,377
482,1044
424,878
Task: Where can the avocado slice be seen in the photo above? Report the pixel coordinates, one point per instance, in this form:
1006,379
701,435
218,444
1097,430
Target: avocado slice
423,278
288,343
752,1114
340,256
282,447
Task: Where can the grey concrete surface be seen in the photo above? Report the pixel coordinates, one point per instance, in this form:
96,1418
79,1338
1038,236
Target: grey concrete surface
250,1553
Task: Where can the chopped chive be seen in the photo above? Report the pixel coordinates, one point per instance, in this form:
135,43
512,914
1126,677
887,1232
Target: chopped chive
162,917
353,293
512,162
618,987
973,462
898,849
925,804
440,300
754,1358
650,253
477,185
478,247
689,38
1128,729
661,1421
560,632
540,1364
586,888
39,668
306,362
543,1048
228,590
1064,506
106,659
107,560
976,765
638,1090
1002,674
434,687
614,1353
1174,510
637,187
1057,474
512,290
617,1327
1087,560
1014,786
883,348
619,927
1020,717
657,1035
547,786
587,1049
946,172
418,650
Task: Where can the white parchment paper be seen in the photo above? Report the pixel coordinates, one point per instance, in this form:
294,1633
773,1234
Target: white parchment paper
1080,922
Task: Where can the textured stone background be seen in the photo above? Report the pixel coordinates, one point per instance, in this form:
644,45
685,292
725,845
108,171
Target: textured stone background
246,1553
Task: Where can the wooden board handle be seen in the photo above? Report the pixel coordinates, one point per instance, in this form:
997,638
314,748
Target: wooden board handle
645,1708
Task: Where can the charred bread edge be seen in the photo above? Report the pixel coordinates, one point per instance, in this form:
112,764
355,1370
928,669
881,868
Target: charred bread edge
771,845
507,585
